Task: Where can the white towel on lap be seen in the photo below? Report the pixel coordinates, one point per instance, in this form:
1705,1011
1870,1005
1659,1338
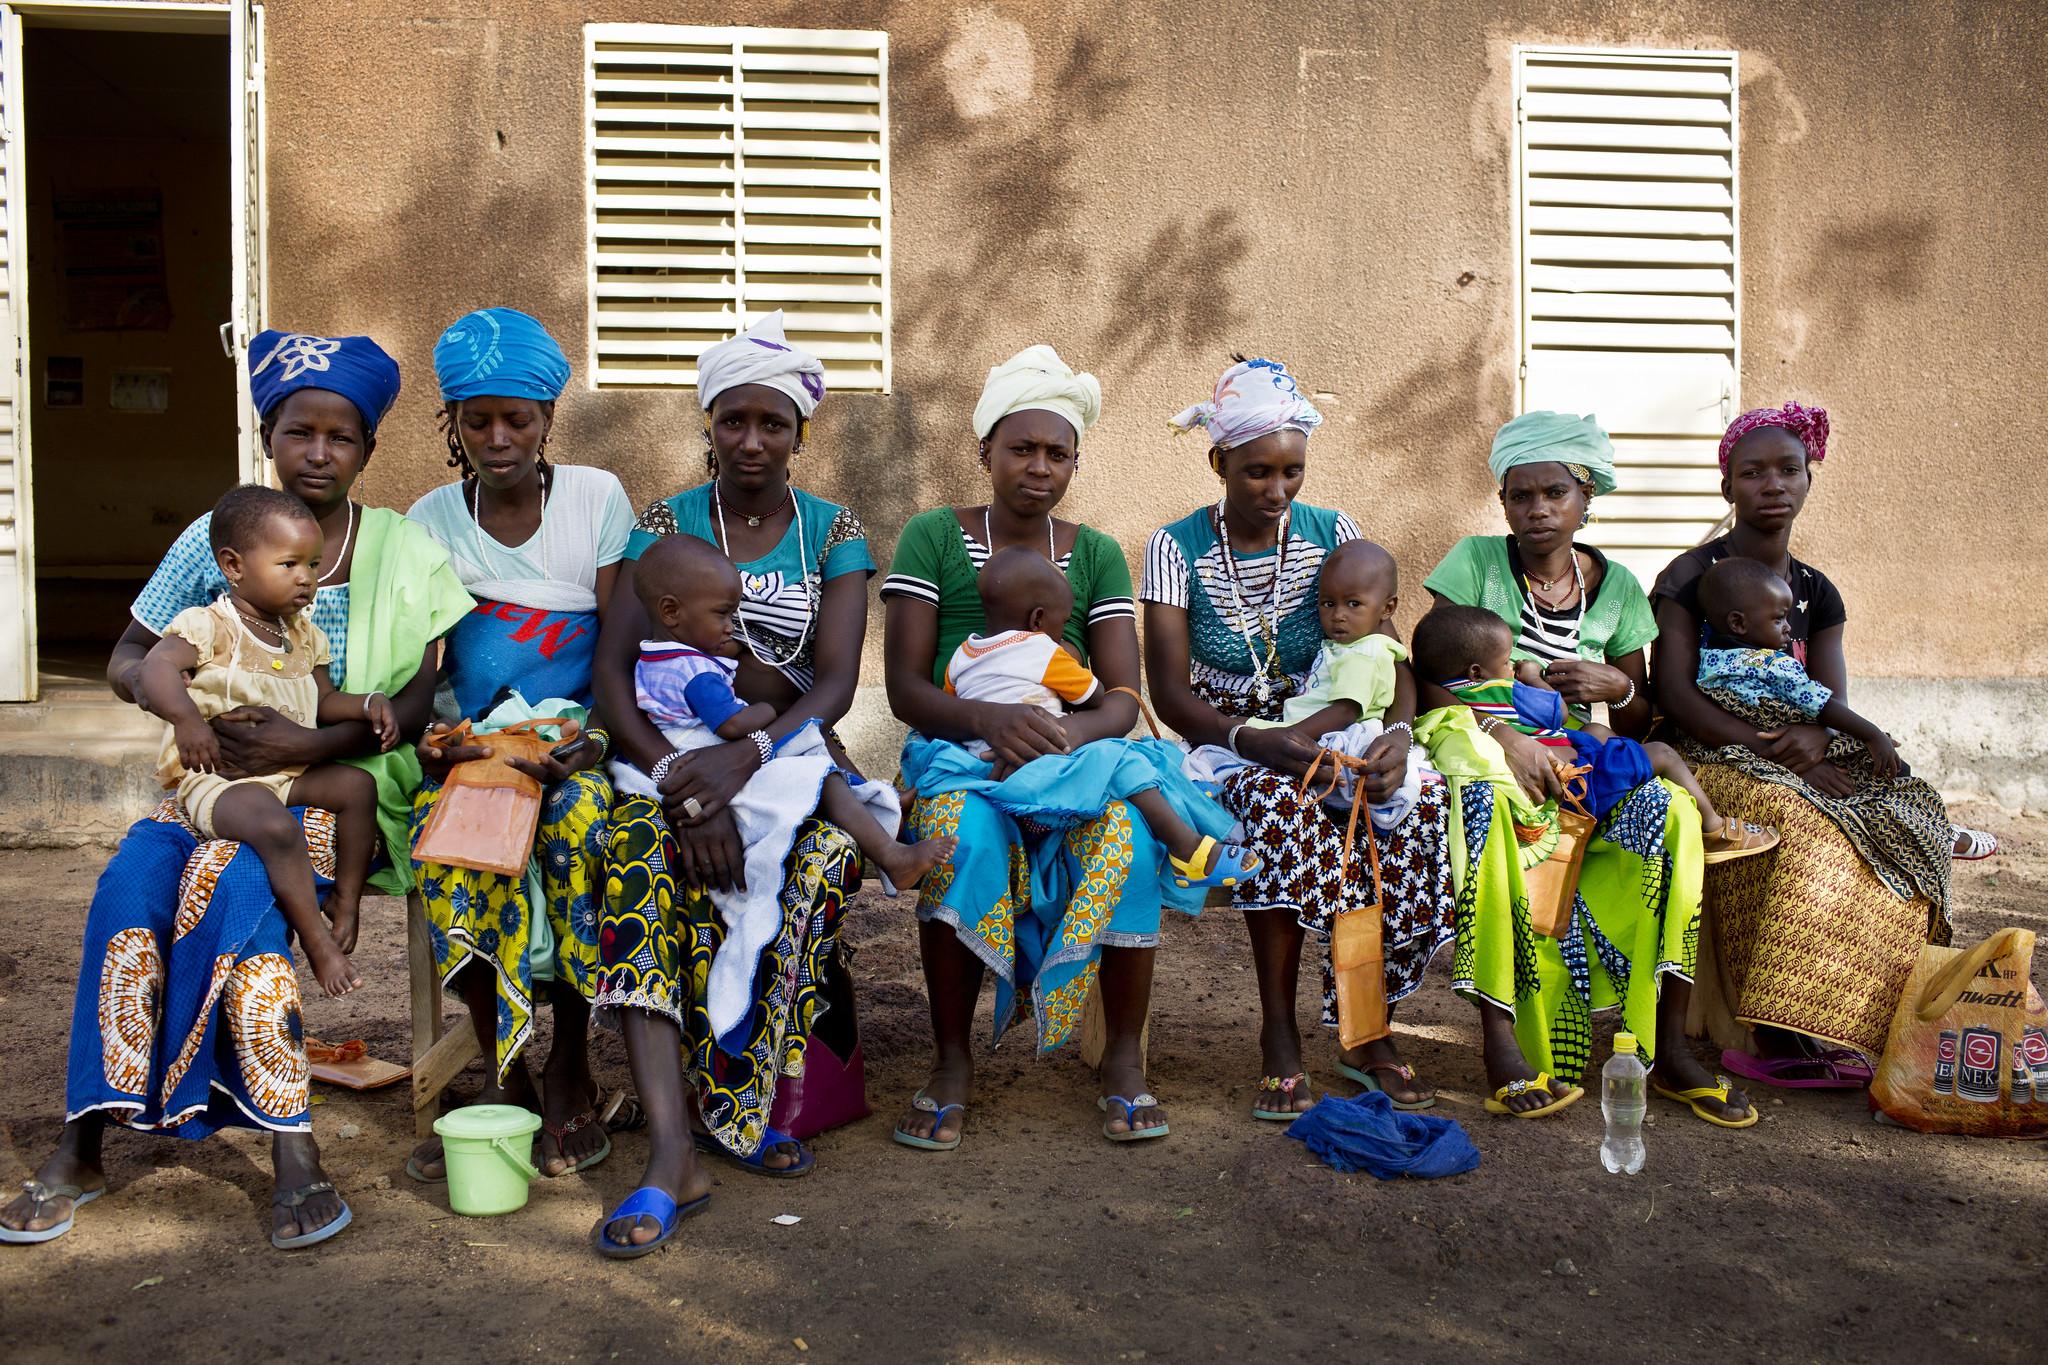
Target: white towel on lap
780,796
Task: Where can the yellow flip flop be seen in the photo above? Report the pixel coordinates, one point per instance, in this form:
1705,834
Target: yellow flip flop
1718,1092
1499,1103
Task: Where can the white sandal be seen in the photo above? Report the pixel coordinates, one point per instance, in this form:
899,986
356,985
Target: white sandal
1982,845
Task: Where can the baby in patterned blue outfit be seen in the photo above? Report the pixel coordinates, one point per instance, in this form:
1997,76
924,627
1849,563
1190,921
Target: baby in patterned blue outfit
1746,607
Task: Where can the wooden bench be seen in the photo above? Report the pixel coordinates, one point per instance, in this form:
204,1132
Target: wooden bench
439,1053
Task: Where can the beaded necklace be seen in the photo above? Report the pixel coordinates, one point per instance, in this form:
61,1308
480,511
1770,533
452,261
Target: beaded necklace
810,591
1262,685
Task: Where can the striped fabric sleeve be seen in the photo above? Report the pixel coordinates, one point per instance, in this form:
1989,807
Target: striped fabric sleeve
914,571
1112,609
1166,572
1347,529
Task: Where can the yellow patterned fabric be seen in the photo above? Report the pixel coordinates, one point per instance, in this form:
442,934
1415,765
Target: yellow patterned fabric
658,940
483,915
1806,937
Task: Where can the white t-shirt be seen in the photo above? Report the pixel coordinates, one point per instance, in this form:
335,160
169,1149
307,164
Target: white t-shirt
583,529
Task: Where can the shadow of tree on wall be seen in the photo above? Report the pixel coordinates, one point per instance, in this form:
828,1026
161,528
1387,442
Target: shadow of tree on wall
1177,293
1861,268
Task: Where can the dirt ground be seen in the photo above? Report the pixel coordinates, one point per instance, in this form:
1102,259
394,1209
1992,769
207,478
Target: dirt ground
1815,1236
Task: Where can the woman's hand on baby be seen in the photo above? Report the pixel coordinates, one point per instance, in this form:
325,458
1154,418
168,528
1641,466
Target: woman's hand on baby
1798,747
1529,761
198,746
1017,734
383,718
256,741
1386,765
711,854
1282,750
712,777
1583,682
1825,778
437,759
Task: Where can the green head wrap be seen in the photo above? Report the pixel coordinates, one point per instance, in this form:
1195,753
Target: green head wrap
1554,438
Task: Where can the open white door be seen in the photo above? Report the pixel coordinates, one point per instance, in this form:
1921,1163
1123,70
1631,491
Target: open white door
246,191
17,536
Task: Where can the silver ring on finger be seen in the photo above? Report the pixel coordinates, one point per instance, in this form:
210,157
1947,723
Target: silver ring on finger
693,808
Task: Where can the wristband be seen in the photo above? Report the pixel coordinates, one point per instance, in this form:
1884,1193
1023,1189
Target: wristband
1230,738
662,765
1488,724
763,743
366,703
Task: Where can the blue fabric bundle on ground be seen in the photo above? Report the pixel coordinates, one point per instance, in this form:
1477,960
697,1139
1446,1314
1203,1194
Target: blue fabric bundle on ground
1369,1134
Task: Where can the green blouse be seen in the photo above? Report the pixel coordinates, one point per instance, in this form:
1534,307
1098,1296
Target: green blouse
938,564
1479,572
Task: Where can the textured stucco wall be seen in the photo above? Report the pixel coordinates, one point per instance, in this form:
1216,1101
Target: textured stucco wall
1150,188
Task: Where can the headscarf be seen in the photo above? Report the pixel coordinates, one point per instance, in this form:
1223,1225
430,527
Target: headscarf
1577,443
1810,425
762,355
282,363
499,353
1037,378
1254,398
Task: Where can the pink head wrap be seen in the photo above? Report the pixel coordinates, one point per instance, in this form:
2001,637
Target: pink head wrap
1810,425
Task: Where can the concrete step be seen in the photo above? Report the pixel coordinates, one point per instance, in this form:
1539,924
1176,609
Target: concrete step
80,766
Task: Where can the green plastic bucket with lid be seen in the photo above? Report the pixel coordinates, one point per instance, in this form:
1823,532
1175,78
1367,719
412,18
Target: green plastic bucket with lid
485,1147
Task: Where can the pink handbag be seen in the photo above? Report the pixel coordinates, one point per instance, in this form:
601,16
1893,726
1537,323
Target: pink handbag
833,1091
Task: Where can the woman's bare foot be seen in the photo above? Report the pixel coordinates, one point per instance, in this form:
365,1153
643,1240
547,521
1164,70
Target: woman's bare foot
949,1084
296,1158
76,1161
1381,1060
905,865
581,1135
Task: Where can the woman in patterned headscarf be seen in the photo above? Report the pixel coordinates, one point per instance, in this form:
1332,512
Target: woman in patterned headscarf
804,567
1806,951
1231,630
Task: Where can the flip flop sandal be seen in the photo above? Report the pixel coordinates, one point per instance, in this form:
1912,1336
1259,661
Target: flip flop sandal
1849,1064
1749,839
756,1164
418,1172
1283,1086
292,1199
645,1202
1233,864
1364,1076
1982,844
1499,1103
41,1194
1773,1071
925,1104
624,1114
1718,1092
568,1130
1144,1099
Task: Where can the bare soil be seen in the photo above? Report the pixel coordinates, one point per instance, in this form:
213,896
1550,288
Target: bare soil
1817,1235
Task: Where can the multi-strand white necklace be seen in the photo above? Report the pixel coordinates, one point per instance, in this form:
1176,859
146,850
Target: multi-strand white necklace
803,639
988,538
348,539
483,555
1578,590
1249,615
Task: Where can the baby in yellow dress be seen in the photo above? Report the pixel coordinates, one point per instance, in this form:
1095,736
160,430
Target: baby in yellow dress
257,646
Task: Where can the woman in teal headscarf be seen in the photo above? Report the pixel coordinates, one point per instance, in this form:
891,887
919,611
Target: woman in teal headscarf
1635,928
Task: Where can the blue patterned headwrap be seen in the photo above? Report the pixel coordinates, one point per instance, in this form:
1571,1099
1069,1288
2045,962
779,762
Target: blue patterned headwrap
282,363
502,353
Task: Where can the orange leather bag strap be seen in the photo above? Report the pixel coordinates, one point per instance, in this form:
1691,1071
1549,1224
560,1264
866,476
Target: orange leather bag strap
1144,707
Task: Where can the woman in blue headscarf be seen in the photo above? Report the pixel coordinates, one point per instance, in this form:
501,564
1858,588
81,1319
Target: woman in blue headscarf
538,545
187,1015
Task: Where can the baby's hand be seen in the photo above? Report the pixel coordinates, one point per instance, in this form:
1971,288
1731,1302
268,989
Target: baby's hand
198,746
1884,755
1529,673
383,718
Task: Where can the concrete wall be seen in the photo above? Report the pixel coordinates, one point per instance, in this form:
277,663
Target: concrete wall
1150,187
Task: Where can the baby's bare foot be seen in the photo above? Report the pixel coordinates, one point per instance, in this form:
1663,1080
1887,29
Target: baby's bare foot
906,864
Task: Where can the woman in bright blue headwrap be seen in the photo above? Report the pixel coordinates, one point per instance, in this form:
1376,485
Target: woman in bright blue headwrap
538,545
187,1016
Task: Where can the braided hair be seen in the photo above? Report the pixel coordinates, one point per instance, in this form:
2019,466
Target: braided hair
458,458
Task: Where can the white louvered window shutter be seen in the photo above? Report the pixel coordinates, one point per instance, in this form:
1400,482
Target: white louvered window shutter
1629,299
734,171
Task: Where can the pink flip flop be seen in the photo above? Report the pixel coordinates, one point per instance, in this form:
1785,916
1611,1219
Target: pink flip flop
1772,1071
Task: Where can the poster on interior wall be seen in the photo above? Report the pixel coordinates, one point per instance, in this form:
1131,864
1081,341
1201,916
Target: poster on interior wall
64,381
111,249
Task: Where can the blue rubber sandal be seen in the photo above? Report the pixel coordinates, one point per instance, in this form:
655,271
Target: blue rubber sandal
645,1202
1144,1099
291,1199
925,1104
756,1163
1233,864
41,1194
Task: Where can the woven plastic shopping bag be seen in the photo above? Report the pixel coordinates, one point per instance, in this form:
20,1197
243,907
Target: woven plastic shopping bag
1968,1050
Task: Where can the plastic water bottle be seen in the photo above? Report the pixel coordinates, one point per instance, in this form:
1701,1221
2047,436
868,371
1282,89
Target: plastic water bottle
1624,1092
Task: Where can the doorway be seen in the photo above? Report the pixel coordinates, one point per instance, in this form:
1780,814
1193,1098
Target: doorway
130,397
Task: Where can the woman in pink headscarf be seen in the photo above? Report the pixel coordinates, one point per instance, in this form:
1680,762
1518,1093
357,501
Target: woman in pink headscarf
1802,954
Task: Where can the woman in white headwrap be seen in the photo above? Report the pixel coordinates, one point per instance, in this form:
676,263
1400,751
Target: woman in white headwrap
1048,912
804,566
1231,630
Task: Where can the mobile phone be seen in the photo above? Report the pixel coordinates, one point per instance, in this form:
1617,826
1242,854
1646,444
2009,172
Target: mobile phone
562,753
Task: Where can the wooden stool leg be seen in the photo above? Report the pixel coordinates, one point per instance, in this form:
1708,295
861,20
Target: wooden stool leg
438,1053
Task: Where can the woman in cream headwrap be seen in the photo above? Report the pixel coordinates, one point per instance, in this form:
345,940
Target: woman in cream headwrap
1232,630
1584,619
537,543
1048,912
804,566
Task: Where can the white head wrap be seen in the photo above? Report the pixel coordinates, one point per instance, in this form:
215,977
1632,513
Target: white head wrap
1254,398
761,355
1036,377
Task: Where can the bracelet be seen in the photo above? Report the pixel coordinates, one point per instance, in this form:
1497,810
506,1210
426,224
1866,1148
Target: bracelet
366,703
1230,738
1487,724
662,765
1626,697
763,743
604,741
1402,725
